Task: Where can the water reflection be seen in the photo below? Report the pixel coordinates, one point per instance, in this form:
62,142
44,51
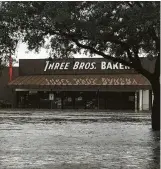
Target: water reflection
155,150
74,166
78,141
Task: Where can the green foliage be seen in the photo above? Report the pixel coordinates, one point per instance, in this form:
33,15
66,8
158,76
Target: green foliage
116,30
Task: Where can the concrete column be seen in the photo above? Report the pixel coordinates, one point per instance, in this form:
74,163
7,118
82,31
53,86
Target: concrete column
150,100
140,100
145,99
136,100
152,97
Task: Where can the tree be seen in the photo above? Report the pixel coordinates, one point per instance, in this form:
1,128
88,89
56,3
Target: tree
119,31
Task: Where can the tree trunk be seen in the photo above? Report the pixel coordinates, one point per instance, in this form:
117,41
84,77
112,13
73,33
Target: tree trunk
156,105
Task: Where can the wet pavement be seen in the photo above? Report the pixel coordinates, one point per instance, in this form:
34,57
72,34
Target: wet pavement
77,140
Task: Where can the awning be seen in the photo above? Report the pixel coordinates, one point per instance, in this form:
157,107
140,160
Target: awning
51,81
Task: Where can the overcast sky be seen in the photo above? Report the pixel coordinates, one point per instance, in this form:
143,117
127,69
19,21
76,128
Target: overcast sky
23,53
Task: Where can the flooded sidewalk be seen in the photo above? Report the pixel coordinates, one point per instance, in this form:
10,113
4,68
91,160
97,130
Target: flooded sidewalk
77,140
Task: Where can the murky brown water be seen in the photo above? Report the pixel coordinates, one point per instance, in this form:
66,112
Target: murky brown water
77,140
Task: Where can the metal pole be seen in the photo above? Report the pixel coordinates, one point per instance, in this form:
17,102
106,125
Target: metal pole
51,103
136,101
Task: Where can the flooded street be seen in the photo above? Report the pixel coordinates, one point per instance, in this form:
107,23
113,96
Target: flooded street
77,140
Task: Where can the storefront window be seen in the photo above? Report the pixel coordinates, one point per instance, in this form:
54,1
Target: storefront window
79,100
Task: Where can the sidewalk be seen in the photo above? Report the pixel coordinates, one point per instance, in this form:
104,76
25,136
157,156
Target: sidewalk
63,111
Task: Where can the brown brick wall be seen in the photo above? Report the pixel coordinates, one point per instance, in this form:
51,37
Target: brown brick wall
5,91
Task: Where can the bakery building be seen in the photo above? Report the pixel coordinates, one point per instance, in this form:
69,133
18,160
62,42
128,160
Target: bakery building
79,84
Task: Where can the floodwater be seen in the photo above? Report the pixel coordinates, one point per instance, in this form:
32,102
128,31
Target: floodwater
77,140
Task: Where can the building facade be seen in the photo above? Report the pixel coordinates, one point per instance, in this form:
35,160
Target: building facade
5,91
79,84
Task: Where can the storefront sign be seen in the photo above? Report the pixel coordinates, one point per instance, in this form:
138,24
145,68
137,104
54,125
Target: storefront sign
78,65
51,96
93,81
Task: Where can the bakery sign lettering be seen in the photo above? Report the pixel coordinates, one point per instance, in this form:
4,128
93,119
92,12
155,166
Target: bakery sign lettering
92,81
82,65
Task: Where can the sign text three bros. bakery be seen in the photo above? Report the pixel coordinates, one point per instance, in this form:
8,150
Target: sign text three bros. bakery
80,65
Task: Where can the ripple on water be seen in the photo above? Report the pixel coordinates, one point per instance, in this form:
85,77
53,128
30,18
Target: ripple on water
37,144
